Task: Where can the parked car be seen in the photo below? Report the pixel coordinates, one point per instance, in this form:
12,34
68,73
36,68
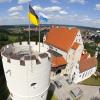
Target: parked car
76,93
58,84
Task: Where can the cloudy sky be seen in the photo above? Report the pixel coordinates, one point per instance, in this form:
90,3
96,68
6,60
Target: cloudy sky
69,12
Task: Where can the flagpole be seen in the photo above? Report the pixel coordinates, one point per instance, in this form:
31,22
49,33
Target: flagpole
39,37
29,42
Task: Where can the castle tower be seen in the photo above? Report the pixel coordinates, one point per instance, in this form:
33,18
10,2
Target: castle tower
28,78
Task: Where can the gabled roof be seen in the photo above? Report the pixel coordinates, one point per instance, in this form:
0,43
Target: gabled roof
62,37
87,64
75,45
58,61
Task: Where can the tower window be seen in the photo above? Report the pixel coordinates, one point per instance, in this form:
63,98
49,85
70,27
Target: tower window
33,84
8,71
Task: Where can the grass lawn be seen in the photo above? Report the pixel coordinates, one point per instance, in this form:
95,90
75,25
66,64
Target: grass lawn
50,96
92,81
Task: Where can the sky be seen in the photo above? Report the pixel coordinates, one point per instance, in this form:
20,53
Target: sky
68,12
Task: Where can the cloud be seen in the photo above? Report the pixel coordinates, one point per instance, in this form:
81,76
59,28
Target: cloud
14,9
23,1
2,1
50,12
78,1
63,12
97,7
37,8
55,1
15,20
53,9
1,21
15,14
74,19
18,18
47,9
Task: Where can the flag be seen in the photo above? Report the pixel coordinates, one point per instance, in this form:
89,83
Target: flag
33,17
43,18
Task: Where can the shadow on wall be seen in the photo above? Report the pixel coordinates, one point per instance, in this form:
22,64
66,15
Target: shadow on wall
51,91
4,92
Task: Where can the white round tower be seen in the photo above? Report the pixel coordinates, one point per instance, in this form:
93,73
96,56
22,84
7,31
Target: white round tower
28,78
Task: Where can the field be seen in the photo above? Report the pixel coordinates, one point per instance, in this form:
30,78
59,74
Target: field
92,81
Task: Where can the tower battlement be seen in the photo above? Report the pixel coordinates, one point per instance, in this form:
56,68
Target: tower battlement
22,53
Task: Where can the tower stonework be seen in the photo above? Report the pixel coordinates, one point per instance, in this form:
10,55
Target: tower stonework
28,77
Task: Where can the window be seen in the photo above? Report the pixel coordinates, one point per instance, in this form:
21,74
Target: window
33,84
83,75
8,72
69,56
49,58
58,71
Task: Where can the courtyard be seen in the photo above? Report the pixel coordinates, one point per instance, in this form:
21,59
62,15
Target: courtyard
63,93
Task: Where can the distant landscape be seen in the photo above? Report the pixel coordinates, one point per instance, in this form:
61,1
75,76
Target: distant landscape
16,33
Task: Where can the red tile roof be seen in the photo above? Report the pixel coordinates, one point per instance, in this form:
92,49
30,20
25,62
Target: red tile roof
84,56
58,61
87,64
75,45
62,37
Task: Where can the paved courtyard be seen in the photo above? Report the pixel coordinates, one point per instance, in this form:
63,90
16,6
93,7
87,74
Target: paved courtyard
63,93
